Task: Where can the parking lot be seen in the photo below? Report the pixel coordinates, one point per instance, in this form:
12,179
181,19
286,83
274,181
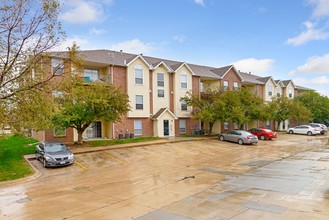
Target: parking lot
209,179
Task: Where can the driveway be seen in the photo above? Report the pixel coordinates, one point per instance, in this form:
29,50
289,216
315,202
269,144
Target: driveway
280,179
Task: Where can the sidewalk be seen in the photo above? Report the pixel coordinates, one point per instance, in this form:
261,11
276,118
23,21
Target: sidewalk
82,150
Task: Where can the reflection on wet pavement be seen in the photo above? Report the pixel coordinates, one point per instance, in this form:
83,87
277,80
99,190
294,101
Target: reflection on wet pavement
282,179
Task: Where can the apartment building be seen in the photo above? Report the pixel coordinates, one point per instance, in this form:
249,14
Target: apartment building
154,87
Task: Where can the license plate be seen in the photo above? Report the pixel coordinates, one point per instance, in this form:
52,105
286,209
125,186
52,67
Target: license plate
63,162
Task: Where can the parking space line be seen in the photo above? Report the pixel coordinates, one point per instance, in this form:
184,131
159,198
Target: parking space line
140,152
113,158
80,165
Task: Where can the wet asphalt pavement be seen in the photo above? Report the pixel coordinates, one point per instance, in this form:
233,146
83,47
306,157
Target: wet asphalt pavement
285,178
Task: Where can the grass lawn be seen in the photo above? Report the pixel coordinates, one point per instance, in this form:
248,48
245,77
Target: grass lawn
97,143
12,149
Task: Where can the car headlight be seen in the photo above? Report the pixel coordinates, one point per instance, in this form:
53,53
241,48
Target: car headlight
49,158
71,156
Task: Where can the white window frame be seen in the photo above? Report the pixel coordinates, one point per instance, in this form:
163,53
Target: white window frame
57,66
160,79
59,132
183,105
139,79
138,127
161,93
270,90
236,126
182,126
201,87
91,75
225,85
289,93
183,81
235,86
226,125
137,101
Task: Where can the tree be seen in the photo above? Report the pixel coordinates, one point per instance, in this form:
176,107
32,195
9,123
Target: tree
204,108
28,29
283,108
82,104
318,105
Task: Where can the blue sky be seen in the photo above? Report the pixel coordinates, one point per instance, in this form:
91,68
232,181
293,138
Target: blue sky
285,39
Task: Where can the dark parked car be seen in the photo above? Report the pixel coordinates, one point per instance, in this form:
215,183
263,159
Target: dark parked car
263,133
54,154
239,136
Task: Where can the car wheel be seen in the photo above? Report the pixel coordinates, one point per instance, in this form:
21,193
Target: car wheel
221,138
240,141
270,138
262,137
44,163
291,132
309,133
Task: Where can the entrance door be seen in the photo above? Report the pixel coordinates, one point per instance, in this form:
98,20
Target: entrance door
166,127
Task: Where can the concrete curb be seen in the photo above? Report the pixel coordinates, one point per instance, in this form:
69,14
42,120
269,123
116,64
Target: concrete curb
140,144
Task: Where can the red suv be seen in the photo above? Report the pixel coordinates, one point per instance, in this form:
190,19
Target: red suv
263,133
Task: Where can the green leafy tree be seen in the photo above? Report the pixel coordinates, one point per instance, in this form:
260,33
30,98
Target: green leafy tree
300,112
318,105
205,107
82,104
280,109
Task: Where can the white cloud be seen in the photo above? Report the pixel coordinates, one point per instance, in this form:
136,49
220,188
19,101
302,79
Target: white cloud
199,2
311,33
318,81
321,8
255,66
134,46
314,65
82,11
179,38
97,32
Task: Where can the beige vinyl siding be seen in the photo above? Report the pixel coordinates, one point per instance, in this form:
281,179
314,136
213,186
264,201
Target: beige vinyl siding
181,92
160,102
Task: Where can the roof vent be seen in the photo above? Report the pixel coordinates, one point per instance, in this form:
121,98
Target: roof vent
121,52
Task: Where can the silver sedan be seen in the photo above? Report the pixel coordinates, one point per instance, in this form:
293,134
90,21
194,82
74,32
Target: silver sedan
239,136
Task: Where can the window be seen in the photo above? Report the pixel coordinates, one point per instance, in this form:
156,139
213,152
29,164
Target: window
290,93
268,124
139,102
138,76
160,80
235,86
225,84
226,125
183,81
57,94
60,132
57,66
269,88
160,92
201,87
236,125
138,127
278,92
183,105
182,126
91,75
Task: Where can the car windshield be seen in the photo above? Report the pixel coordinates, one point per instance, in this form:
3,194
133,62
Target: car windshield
51,148
267,130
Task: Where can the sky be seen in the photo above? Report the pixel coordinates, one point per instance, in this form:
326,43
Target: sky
285,39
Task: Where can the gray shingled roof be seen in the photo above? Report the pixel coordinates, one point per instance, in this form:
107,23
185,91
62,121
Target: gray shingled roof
249,78
119,58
